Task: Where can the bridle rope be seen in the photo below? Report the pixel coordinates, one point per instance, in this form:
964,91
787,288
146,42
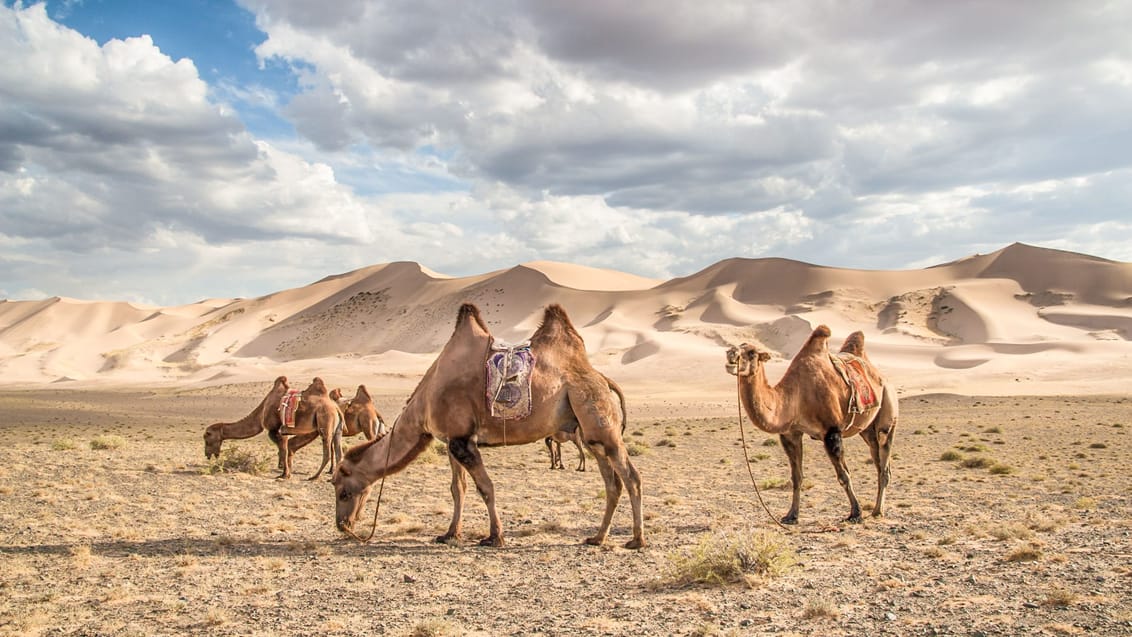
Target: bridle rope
746,455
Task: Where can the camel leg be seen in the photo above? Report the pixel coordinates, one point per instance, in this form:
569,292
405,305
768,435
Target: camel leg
628,474
879,437
613,486
792,445
288,446
581,455
834,449
555,459
459,486
468,454
285,454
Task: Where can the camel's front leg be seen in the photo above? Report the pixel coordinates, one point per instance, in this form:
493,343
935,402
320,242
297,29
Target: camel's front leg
879,437
285,454
459,486
834,449
465,451
792,445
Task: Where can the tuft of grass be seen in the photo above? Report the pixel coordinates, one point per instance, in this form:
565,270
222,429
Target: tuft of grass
1011,530
434,454
64,444
1000,469
1098,445
1027,553
1060,597
950,456
770,442
434,628
774,483
107,441
992,430
978,462
1085,503
730,558
636,448
234,459
820,609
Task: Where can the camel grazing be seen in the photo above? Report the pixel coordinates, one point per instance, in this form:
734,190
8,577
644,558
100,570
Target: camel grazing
264,416
554,446
320,414
451,403
821,395
361,414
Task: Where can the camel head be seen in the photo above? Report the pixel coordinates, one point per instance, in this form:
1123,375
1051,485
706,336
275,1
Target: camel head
336,394
213,436
350,495
744,360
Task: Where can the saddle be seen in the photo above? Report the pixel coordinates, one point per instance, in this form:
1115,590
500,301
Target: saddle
862,396
509,380
287,408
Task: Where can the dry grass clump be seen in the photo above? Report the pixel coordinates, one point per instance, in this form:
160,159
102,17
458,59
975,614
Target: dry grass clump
978,462
730,558
1026,553
1060,597
434,628
950,455
636,448
233,459
434,454
820,609
1011,531
107,441
64,444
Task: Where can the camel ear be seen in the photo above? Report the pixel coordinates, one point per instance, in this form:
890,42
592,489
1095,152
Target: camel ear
764,356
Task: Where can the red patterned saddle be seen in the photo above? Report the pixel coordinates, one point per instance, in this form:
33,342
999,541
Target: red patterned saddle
862,395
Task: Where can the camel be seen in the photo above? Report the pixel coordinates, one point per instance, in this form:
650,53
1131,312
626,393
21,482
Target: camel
813,398
554,446
361,414
450,404
264,416
320,414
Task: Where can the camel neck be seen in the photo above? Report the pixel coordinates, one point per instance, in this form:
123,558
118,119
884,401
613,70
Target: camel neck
762,402
393,452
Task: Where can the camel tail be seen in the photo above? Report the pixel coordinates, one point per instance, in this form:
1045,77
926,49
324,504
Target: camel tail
854,344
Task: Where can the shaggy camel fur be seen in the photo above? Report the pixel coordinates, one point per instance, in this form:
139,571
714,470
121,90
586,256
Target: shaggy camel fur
813,399
450,404
361,413
316,412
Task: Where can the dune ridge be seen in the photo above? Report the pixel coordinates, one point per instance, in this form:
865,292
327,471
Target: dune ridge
1021,320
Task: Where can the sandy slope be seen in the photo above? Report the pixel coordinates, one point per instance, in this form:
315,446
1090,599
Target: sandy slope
1019,320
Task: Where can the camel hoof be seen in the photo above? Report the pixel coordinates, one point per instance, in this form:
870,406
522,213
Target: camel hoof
595,541
635,543
496,541
789,519
854,519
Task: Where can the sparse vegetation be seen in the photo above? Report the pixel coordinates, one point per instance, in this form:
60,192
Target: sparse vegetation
235,459
107,441
950,456
731,558
977,462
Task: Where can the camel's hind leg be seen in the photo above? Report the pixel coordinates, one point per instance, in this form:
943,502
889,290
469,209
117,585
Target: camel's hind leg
792,445
555,451
468,454
459,486
581,453
879,437
836,452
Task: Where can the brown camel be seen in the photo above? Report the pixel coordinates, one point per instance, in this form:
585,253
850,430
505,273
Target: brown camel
814,398
554,446
450,404
267,415
320,414
361,413
264,416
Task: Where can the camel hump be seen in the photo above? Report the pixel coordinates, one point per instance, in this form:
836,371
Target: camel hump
361,393
854,344
319,386
281,380
817,340
469,310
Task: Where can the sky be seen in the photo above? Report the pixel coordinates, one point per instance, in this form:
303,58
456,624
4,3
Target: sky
167,152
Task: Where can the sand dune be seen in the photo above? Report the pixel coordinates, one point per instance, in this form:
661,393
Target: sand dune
1019,320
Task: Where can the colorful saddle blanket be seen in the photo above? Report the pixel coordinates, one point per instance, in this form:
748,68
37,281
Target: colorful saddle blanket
862,396
288,406
509,380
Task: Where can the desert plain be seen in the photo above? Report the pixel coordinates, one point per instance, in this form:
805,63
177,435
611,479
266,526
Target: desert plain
1009,511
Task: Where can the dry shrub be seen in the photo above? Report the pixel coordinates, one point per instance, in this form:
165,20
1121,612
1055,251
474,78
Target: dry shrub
1027,553
64,444
951,455
434,628
636,449
1085,503
729,558
977,462
1059,596
1000,469
107,441
820,609
233,459
435,453
1012,530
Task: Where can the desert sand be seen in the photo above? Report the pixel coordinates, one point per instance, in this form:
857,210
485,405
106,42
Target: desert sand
1009,511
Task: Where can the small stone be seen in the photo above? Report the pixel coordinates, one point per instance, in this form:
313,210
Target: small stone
890,617
1030,605
408,579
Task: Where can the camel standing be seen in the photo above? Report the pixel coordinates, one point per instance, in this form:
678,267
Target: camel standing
813,399
450,404
361,413
554,446
320,414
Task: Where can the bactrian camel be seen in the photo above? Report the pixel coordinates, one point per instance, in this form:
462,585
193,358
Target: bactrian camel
362,416
319,413
554,447
813,399
450,404
266,416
